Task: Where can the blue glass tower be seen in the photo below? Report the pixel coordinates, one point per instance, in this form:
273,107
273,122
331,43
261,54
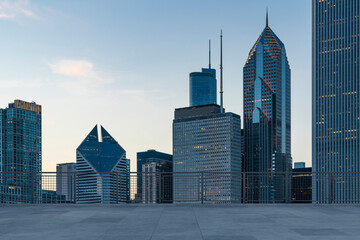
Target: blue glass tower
20,153
267,123
203,86
101,169
336,101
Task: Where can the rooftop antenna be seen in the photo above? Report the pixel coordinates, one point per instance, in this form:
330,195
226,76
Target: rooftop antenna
267,17
209,53
221,76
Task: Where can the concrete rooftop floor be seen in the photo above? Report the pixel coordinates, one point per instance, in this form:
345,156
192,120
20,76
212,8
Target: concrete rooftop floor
174,222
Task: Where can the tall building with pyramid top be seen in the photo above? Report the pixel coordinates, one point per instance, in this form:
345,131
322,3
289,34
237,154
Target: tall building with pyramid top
101,169
267,119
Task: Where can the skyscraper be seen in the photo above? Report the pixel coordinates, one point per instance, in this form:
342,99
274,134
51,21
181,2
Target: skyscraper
157,182
20,153
101,169
203,86
207,151
151,156
267,122
335,101
301,183
206,140
65,180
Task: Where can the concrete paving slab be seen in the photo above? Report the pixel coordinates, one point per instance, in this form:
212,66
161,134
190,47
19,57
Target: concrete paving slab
157,222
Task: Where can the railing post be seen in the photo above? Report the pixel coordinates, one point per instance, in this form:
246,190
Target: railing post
244,187
286,186
158,188
330,177
202,187
117,188
75,187
32,187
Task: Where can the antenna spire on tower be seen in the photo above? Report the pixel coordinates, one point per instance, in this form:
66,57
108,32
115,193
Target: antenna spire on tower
209,53
221,75
267,17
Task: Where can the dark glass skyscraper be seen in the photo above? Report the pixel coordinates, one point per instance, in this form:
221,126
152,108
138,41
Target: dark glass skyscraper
267,123
20,152
335,100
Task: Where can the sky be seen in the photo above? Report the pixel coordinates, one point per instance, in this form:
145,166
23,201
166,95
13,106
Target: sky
126,64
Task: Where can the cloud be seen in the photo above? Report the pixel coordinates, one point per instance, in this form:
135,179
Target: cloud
81,74
11,9
74,68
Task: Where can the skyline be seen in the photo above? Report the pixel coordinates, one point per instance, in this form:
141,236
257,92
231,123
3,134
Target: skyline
105,79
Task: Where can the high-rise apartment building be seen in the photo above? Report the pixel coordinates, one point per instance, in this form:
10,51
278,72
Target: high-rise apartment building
157,185
65,180
335,101
102,170
150,156
206,148
20,153
267,120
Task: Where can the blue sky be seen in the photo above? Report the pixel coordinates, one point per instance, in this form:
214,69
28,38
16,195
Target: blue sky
125,64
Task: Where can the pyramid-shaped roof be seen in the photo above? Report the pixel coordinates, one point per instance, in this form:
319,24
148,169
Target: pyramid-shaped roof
271,43
103,154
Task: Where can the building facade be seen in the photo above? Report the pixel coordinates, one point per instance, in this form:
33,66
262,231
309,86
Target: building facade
20,153
299,165
102,170
203,87
150,156
335,100
65,180
301,184
206,148
157,186
267,120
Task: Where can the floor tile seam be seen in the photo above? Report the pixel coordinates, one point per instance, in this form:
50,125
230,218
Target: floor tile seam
197,222
112,225
157,223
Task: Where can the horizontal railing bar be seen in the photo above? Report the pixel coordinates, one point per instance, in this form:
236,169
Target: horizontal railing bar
217,172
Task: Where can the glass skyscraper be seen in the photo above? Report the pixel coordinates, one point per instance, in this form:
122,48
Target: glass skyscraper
267,119
335,100
102,170
203,87
20,153
206,140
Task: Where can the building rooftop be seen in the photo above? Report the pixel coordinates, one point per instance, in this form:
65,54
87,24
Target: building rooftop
193,222
194,111
102,152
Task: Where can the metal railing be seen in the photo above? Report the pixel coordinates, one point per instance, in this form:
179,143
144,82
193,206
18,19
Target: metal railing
180,187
